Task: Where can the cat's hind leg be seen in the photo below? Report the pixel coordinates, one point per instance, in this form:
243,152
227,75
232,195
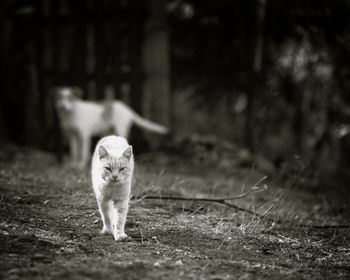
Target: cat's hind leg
106,208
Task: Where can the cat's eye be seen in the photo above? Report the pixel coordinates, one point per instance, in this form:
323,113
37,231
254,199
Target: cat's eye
122,168
108,169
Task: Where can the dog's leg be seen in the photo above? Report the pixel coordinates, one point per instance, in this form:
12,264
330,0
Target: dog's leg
85,150
73,149
122,126
125,130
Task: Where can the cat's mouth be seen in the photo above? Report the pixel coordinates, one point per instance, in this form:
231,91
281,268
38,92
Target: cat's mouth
115,180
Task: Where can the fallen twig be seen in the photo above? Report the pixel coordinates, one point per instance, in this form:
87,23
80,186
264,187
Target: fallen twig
182,198
242,209
253,189
219,200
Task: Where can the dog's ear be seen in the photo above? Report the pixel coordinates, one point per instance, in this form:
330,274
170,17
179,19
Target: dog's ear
77,92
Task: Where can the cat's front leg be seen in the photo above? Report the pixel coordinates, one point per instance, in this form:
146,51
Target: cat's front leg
106,208
121,211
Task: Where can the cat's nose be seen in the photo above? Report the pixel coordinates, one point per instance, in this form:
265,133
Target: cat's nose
115,179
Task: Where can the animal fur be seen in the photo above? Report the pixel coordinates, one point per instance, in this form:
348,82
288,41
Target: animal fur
111,173
80,120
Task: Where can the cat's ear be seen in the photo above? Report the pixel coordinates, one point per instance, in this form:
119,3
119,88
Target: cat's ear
102,152
128,152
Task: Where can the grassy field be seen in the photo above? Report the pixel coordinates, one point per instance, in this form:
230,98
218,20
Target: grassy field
49,224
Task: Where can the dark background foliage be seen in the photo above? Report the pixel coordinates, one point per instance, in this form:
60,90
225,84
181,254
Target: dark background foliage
297,102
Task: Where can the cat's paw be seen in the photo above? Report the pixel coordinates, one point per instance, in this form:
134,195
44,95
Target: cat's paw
120,236
106,231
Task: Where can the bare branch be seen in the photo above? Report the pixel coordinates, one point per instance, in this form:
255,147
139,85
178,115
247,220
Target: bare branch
253,189
213,200
220,200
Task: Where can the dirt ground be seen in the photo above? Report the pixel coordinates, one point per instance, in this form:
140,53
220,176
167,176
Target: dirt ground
49,224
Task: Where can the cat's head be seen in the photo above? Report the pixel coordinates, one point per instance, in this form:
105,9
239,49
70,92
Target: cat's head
115,169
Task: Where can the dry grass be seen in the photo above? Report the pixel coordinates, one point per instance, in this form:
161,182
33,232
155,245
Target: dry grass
49,227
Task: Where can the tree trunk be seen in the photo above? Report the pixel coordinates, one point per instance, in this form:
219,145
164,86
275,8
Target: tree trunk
156,64
5,37
135,56
135,77
254,82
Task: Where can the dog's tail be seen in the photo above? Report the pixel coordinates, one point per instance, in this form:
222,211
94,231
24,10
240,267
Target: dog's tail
149,125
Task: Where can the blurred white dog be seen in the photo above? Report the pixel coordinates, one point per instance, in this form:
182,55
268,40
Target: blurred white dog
80,120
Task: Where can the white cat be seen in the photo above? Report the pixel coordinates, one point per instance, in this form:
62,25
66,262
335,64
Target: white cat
112,172
80,120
